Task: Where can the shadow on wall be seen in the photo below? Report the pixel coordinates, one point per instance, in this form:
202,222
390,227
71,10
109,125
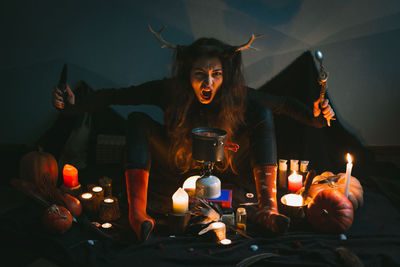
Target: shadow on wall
27,109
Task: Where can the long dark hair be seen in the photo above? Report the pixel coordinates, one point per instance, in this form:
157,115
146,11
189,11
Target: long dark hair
226,111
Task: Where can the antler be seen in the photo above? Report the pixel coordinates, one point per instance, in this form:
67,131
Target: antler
158,36
248,44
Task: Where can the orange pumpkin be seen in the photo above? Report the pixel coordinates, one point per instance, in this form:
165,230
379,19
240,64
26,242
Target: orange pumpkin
330,211
56,219
39,168
338,182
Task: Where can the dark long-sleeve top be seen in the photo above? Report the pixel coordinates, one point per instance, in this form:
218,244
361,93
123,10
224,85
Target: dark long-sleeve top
157,93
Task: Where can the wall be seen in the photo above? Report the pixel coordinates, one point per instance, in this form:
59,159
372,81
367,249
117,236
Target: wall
107,44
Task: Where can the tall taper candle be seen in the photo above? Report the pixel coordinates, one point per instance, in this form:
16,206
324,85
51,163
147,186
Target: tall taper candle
349,166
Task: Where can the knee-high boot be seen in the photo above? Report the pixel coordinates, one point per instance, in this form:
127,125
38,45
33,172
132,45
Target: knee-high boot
136,185
267,214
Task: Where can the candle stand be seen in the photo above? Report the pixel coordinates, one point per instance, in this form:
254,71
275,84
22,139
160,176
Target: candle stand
177,222
297,213
109,209
74,191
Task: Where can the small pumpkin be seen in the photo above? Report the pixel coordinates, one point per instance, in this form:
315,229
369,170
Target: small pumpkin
338,182
39,168
73,205
56,219
330,211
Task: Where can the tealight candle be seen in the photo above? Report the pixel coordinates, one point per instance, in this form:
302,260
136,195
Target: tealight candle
180,201
219,229
97,189
349,166
293,200
98,195
109,209
87,195
294,207
106,225
108,200
70,176
88,203
295,181
225,242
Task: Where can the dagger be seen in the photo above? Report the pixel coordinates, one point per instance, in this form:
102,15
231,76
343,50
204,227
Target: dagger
62,83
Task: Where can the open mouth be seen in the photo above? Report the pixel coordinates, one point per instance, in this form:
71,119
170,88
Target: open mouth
206,93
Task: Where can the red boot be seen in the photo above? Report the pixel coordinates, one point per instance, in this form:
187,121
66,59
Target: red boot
136,186
267,214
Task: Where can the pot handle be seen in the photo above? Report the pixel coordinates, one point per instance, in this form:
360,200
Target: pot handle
231,146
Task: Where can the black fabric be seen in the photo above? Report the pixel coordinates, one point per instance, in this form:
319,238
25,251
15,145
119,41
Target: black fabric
374,235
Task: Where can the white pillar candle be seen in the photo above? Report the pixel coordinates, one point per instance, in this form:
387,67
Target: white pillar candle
293,200
180,201
190,185
295,181
349,166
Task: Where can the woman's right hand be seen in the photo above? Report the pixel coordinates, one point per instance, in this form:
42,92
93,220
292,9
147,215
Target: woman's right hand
58,100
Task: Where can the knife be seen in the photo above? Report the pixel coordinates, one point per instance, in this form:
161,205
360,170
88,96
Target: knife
62,83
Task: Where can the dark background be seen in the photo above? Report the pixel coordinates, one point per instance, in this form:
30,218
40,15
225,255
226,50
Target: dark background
107,44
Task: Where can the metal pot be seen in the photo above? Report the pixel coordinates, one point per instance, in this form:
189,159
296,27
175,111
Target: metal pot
208,144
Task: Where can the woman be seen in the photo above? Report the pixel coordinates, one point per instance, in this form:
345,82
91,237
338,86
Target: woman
206,89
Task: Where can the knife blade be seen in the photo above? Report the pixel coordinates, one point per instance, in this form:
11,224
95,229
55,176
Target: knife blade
62,83
63,78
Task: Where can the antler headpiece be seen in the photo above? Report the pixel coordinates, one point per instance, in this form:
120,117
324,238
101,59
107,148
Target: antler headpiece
166,44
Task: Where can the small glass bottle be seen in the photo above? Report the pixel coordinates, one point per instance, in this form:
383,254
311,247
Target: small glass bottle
294,166
304,168
241,218
282,175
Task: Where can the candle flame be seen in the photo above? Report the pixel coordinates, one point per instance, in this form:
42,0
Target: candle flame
87,195
349,159
217,225
97,189
293,200
108,200
106,225
226,241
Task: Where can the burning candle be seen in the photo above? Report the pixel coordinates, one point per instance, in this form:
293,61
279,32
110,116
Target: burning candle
109,209
190,185
293,200
70,176
225,242
295,181
219,229
87,195
180,201
106,225
108,200
87,200
349,166
98,195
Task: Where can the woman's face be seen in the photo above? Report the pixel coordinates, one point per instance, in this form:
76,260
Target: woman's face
206,78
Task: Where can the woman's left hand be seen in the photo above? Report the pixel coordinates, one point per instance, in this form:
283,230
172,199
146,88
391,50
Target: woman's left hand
327,110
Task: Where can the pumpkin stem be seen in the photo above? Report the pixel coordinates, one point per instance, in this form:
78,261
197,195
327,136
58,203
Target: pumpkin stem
324,213
54,209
